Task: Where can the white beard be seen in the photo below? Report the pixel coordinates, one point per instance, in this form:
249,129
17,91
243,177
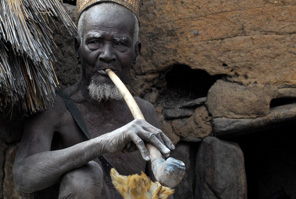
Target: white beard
103,91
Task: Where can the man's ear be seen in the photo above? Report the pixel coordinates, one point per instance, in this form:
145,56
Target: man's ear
77,46
138,46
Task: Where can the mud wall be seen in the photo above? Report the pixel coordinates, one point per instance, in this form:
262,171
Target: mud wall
249,46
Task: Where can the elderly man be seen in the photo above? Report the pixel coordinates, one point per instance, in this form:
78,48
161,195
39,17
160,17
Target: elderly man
55,148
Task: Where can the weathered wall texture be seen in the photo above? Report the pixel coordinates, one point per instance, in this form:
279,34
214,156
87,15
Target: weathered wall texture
251,44
250,41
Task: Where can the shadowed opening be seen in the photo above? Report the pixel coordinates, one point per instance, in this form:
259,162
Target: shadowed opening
282,101
270,162
189,83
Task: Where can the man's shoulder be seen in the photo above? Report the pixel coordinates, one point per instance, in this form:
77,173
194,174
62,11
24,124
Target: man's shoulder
59,105
61,95
144,105
148,111
57,109
48,119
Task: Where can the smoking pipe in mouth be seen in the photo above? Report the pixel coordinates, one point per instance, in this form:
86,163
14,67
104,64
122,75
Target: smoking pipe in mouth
168,172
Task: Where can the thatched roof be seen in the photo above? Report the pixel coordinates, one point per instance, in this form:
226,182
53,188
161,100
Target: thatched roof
27,78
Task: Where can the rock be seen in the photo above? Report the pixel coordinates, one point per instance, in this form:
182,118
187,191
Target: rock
166,127
220,171
197,126
225,127
186,152
194,103
170,114
286,93
232,100
184,104
152,96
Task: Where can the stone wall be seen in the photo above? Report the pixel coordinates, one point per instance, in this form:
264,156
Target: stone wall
248,50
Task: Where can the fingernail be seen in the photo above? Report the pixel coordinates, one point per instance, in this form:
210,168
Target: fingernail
173,146
167,151
147,158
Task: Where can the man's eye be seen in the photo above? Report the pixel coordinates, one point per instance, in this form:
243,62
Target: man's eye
94,44
122,47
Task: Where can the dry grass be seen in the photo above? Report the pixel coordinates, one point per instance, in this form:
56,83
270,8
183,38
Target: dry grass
27,78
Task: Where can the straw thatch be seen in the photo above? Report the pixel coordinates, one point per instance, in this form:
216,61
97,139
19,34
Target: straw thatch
27,77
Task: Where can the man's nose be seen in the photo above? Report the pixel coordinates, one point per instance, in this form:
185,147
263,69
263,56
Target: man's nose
107,54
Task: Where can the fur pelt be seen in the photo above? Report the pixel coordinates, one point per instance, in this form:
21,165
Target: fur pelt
139,186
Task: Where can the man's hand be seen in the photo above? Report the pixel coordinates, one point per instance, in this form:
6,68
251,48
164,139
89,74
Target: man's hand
138,132
168,172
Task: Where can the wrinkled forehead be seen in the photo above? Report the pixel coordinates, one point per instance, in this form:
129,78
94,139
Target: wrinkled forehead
109,15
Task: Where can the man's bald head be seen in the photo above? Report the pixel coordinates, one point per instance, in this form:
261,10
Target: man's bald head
105,10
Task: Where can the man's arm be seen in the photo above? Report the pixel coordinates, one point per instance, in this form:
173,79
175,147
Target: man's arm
36,167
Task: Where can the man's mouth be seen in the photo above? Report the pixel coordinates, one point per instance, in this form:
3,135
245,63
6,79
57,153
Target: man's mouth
102,72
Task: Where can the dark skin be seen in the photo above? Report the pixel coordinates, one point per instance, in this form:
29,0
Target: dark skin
107,42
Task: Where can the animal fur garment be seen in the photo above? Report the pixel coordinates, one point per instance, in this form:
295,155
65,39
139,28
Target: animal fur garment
139,186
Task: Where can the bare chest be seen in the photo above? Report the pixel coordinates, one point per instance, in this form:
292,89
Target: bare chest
99,122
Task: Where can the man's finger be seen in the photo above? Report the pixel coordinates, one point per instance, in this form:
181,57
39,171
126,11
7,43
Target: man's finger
141,146
167,142
161,136
151,138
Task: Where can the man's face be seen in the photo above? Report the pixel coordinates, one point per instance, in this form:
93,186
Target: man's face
107,42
